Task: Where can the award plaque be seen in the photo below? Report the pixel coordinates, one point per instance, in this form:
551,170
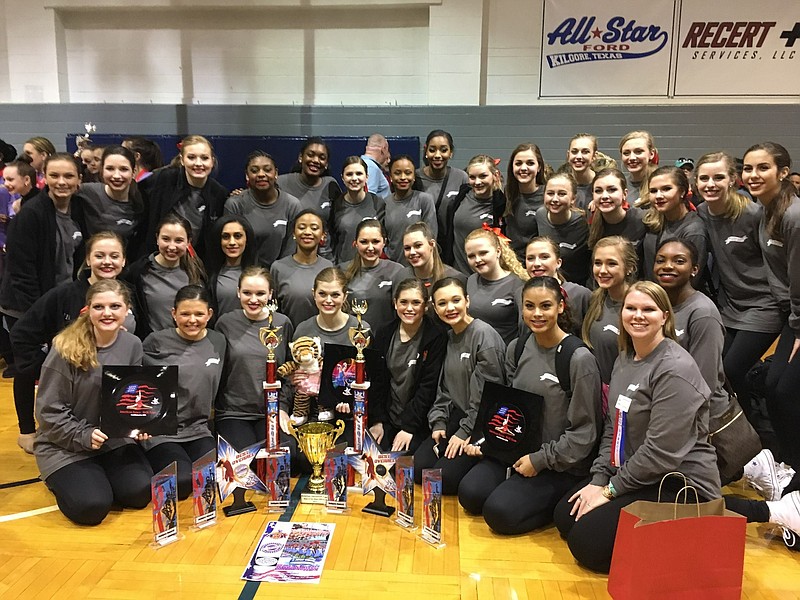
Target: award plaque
335,469
164,494
432,507
339,373
139,400
510,421
375,467
280,490
404,483
234,476
204,496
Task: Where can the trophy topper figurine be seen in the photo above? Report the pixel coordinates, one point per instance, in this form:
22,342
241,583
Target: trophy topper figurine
269,335
81,141
359,335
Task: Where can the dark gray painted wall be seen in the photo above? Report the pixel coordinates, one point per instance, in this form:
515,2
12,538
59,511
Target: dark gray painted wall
679,130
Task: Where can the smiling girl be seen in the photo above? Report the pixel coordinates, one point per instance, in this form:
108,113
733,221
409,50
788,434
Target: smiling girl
422,254
612,215
269,210
482,202
580,155
225,264
475,354
638,152
566,225
437,177
371,278
669,216
414,346
495,286
405,205
86,471
570,427
352,207
199,353
524,194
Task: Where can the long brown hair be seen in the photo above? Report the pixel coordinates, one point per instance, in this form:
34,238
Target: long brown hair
512,185
773,212
734,202
653,219
189,262
437,272
598,224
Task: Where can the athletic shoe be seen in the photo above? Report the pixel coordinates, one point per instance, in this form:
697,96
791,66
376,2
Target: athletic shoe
786,513
766,476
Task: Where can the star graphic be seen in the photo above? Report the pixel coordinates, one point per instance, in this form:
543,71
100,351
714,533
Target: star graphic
233,468
596,32
375,466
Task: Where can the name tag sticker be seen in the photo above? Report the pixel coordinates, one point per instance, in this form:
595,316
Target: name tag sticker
623,403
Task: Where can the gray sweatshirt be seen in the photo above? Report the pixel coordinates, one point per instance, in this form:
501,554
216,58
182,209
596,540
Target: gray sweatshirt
604,336
783,263
376,286
200,367
68,406
416,206
570,426
744,296
245,365
474,356
497,303
571,238
667,423
293,285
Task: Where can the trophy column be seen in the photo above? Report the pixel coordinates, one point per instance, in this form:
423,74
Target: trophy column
359,336
271,339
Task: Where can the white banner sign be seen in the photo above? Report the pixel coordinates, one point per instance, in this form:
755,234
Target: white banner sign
738,47
592,48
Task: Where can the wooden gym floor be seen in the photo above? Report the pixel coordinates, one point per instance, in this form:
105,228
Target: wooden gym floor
42,555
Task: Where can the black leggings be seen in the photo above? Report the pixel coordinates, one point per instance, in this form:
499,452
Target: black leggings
783,382
24,392
741,351
591,540
390,431
514,505
183,453
453,469
86,490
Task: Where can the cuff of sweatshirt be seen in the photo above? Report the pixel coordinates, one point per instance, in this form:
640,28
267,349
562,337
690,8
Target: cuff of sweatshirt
538,461
439,425
462,434
600,479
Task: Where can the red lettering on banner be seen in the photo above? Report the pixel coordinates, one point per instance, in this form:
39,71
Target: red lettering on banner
713,34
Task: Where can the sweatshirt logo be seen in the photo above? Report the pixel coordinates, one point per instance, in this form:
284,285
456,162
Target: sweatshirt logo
549,377
383,284
736,238
280,222
464,355
530,213
212,361
77,235
611,328
451,194
633,387
679,332
201,209
503,301
325,204
124,222
414,213
777,243
486,216
567,245
412,362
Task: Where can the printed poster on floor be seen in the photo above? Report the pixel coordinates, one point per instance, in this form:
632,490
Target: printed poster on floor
290,553
738,47
592,48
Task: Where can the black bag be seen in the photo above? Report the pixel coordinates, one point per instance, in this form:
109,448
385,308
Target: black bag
734,439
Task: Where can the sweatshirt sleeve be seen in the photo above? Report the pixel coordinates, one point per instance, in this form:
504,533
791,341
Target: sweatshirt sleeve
671,433
489,366
791,236
439,414
583,418
57,422
706,339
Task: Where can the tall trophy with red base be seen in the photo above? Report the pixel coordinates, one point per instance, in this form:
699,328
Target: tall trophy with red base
271,454
360,338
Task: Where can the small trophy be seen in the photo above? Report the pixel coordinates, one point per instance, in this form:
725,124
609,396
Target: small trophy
432,507
315,439
204,496
234,476
164,494
404,484
360,338
336,463
375,467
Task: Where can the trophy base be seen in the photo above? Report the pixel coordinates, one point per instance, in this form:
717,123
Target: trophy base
311,498
240,506
377,508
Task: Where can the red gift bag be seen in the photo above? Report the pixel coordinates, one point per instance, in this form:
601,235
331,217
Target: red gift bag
678,551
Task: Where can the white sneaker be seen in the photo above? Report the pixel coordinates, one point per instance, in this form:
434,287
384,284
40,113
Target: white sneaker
786,513
766,476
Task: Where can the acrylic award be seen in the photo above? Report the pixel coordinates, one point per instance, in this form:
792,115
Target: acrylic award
375,468
139,400
204,490
234,476
278,467
164,493
432,507
335,468
404,494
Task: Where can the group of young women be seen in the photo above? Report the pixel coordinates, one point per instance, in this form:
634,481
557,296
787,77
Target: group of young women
467,281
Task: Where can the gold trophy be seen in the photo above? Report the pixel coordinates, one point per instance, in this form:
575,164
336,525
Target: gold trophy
315,439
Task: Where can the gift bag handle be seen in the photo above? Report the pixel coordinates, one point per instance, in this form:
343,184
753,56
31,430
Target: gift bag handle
672,474
685,491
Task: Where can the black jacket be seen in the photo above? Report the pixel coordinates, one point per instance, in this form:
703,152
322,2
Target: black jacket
31,251
161,192
446,238
426,376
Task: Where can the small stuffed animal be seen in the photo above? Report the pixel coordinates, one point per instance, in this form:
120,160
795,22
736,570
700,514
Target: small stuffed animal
307,360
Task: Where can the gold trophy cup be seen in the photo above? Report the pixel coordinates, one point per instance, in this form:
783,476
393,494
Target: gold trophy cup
315,439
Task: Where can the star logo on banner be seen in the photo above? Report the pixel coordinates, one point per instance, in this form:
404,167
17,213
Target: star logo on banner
233,468
375,466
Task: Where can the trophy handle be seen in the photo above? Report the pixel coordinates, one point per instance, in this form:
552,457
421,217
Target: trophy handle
292,430
338,430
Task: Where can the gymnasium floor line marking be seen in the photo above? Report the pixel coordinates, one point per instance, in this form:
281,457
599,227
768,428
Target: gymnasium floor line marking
251,587
11,484
29,513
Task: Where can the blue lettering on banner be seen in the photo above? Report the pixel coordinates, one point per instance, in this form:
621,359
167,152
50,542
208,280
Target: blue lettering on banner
620,40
